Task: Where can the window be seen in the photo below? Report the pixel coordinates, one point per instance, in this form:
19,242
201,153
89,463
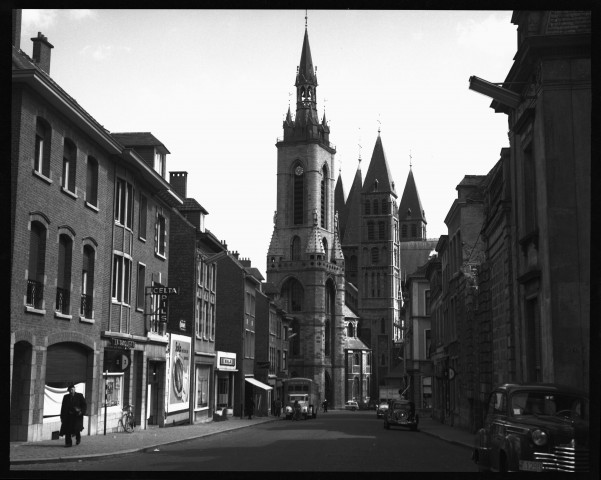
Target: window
124,203
42,148
92,182
427,301
367,207
142,217
324,241
376,207
249,344
63,281
114,390
211,322
529,202
69,165
213,277
324,196
141,281
404,231
284,360
370,230
87,283
37,260
202,387
350,331
414,230
295,248
203,320
198,329
121,278
159,163
160,234
382,325
384,206
298,195
428,341
382,230
375,256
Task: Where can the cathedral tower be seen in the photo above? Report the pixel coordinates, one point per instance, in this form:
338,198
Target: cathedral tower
305,261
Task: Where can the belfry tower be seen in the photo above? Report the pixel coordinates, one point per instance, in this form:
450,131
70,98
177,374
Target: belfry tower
305,261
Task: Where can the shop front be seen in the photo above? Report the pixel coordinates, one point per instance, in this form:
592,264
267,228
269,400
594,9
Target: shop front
225,372
260,393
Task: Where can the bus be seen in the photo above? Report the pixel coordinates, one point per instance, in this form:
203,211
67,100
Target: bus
303,390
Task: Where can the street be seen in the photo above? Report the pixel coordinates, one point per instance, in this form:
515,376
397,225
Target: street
335,441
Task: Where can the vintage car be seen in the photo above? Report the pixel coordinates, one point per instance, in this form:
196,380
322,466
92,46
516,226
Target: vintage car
401,413
534,427
381,409
351,405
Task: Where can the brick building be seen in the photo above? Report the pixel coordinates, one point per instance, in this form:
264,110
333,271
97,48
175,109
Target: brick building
78,303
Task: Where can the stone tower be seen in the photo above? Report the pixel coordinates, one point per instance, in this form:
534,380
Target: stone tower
305,261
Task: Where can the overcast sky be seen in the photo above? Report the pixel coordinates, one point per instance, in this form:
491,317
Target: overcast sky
214,86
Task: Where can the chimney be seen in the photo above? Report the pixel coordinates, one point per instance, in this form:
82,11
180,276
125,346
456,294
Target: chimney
17,28
41,52
245,262
179,182
235,255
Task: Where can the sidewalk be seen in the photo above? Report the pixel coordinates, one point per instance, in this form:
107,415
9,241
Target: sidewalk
112,444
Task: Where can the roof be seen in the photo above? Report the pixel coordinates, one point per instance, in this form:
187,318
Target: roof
306,73
191,204
355,344
139,139
410,201
347,312
378,171
352,212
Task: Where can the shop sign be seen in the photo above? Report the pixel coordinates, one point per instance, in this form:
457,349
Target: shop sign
122,344
226,361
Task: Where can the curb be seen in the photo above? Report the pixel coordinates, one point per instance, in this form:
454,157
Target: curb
96,456
448,440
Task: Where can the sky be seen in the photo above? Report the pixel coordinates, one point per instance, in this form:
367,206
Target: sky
214,87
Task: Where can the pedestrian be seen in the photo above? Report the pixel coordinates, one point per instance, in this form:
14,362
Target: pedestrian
325,405
73,410
278,407
273,407
250,408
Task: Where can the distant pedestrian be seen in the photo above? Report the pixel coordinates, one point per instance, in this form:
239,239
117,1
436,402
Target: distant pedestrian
278,407
73,410
250,408
324,405
273,407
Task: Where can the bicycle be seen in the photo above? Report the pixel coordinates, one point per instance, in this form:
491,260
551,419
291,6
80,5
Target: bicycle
127,421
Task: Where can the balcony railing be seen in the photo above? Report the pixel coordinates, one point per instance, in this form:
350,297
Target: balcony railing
87,306
35,294
62,300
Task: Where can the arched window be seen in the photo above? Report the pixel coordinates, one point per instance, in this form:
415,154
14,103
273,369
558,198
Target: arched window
330,315
295,248
63,279
92,182
350,331
367,207
69,165
42,147
324,196
404,231
375,206
381,230
414,230
37,261
87,282
298,195
293,295
384,206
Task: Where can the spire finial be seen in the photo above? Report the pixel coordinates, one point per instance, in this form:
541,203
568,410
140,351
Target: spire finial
305,18
359,144
410,159
379,124
289,95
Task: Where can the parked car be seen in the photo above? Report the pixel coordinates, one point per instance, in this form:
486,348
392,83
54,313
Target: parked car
351,405
534,427
381,409
401,413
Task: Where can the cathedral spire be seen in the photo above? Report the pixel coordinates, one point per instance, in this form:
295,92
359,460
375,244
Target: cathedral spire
378,174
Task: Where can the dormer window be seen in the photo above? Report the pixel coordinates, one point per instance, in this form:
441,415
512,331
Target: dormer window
159,163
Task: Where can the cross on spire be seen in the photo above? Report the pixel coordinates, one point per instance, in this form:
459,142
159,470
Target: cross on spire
305,18
379,124
410,157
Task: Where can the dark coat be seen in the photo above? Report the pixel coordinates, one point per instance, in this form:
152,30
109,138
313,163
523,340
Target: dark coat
72,411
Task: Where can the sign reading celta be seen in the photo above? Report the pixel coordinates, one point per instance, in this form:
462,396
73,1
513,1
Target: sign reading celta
163,296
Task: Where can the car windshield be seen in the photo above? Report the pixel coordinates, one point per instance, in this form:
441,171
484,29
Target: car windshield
401,406
548,403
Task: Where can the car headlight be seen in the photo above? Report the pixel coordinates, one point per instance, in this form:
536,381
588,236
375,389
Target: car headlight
539,437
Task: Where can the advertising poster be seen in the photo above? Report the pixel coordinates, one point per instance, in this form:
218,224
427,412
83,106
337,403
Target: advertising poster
179,368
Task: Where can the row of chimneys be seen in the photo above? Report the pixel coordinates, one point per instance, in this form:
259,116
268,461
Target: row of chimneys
41,46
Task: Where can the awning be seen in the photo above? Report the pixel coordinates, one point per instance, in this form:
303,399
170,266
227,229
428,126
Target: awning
256,383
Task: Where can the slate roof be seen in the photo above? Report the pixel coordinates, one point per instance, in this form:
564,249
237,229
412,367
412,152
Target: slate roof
139,139
378,170
306,73
190,204
352,214
411,200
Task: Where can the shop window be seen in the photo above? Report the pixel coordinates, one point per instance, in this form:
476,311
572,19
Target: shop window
201,399
113,384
